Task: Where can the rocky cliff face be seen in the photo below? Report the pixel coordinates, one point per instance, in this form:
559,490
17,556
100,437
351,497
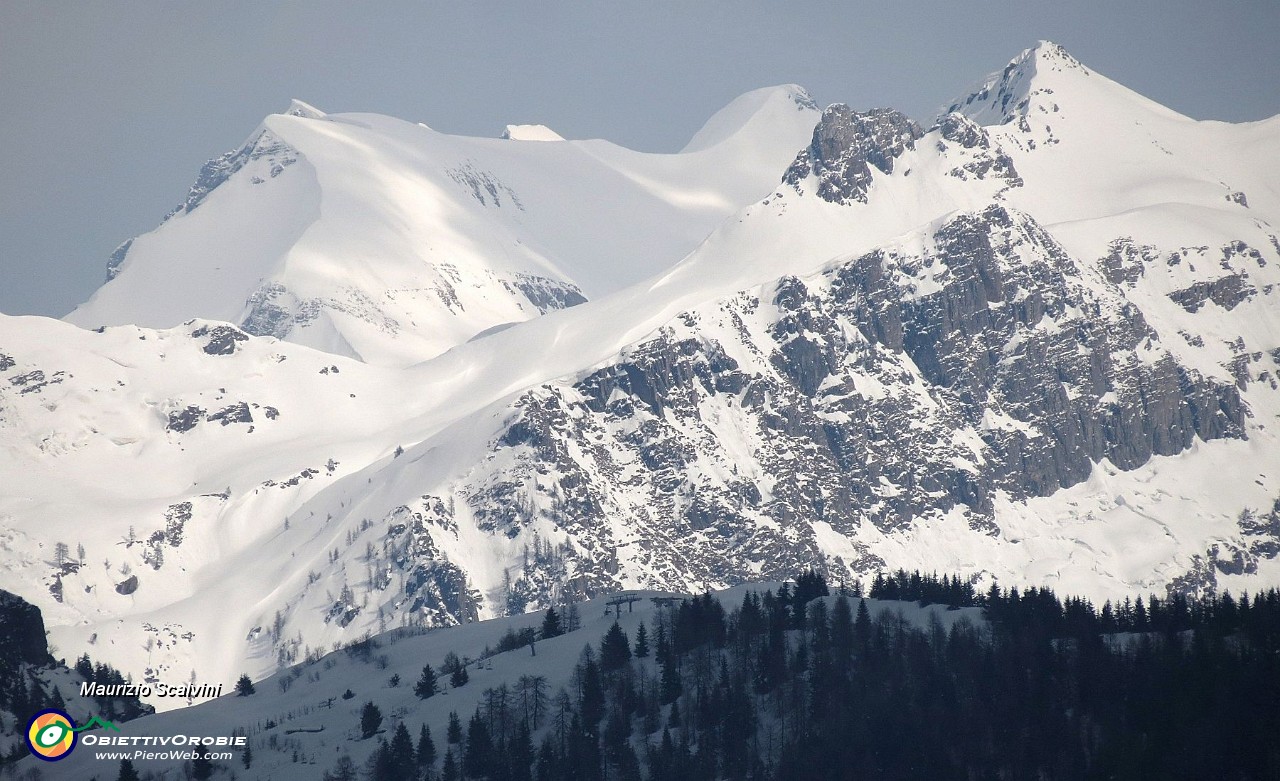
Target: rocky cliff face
846,145
892,388
22,639
264,145
967,366
31,680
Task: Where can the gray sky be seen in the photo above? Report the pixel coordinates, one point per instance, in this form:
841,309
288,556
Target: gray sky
108,109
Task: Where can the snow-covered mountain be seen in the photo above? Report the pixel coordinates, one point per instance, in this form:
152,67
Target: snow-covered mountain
1035,340
387,241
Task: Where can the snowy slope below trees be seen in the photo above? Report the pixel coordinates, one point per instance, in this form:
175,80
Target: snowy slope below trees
299,722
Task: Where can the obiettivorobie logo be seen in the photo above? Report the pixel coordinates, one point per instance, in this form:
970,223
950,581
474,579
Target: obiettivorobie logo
51,734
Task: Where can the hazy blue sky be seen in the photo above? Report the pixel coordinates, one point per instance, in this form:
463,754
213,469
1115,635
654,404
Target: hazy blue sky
108,109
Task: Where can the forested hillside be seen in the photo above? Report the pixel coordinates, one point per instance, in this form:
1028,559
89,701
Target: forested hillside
798,684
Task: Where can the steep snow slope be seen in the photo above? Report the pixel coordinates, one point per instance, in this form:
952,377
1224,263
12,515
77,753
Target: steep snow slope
386,241
164,456
1035,350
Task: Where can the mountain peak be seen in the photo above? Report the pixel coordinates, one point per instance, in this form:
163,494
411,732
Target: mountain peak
1049,52
846,145
305,110
768,106
531,133
1046,79
1008,94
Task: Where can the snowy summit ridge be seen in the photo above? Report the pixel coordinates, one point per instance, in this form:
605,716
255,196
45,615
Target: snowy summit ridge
1038,81
389,242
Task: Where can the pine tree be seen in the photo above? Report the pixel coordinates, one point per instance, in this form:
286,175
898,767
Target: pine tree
671,686
127,773
615,651
84,666
642,642
751,621
454,733
617,728
403,763
862,625
247,756
551,624
370,720
809,586
661,648
477,759
201,767
459,677
427,685
20,703
841,631
1107,618
426,748
244,686
548,764
520,756
591,702
628,765
583,756
379,765
449,770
